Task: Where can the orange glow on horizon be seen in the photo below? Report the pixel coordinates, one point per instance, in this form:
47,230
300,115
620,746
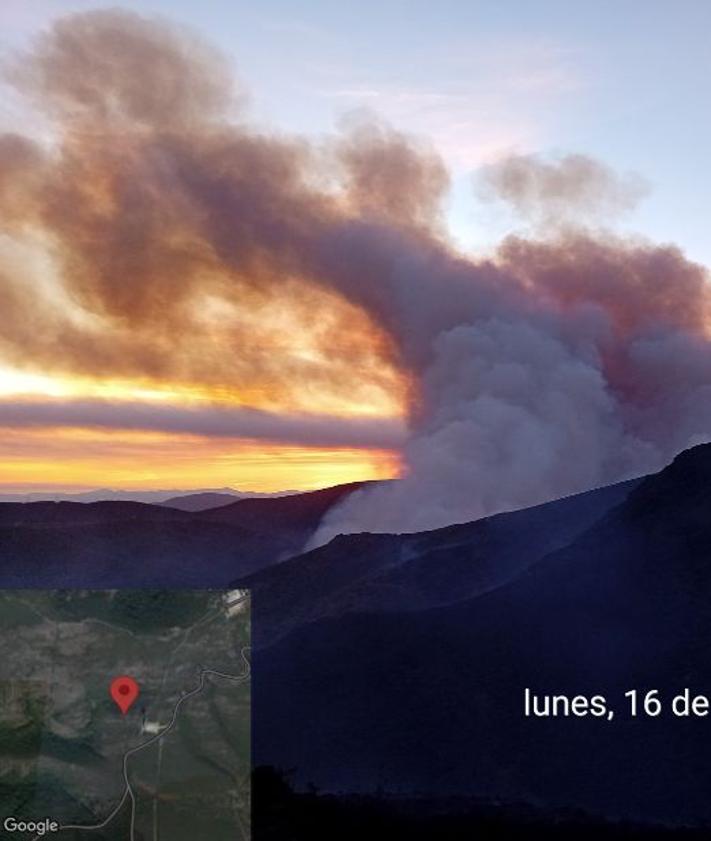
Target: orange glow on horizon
66,458
14,383
60,459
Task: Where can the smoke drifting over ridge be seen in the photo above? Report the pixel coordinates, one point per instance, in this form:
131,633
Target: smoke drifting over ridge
184,241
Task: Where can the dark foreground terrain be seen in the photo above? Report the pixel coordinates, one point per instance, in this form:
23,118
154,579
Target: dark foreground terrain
406,669
280,813
398,663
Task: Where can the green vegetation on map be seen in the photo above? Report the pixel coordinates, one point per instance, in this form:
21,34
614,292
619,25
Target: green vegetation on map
177,765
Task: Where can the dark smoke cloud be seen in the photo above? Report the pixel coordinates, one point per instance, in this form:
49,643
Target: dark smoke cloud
563,363
113,68
152,202
388,176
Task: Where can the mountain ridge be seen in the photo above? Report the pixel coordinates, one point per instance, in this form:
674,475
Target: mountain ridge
135,544
431,700
404,572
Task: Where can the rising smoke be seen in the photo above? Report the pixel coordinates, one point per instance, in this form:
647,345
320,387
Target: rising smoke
565,362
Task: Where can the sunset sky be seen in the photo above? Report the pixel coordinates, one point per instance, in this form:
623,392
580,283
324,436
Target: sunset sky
113,378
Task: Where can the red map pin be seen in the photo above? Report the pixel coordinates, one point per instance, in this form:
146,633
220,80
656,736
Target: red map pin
124,690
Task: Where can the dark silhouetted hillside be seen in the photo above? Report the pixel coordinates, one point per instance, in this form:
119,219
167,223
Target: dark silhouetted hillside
200,501
298,513
431,700
131,544
281,814
415,571
82,513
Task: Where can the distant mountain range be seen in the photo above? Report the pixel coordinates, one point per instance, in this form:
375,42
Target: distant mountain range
399,662
198,499
134,544
204,500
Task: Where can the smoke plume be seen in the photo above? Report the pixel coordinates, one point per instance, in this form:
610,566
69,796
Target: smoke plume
186,244
574,190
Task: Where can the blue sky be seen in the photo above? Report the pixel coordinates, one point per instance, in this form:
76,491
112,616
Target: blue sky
626,82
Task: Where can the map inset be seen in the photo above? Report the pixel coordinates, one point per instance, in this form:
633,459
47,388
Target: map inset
175,766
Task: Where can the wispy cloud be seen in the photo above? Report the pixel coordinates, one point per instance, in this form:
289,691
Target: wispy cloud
209,421
475,103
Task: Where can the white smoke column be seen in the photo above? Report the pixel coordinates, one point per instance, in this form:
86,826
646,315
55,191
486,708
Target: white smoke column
602,373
